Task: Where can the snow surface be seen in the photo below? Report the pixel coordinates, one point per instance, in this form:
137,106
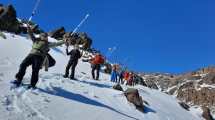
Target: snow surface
58,98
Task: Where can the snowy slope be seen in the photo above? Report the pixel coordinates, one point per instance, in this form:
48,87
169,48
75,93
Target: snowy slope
58,98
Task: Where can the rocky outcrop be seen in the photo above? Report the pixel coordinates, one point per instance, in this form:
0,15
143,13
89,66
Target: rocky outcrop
76,38
210,69
139,80
193,88
204,96
133,96
209,79
117,87
58,33
151,82
84,40
206,113
8,21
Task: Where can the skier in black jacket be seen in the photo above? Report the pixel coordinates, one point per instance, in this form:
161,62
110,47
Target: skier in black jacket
75,54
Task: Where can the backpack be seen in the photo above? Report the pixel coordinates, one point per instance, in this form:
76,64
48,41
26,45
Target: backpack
98,60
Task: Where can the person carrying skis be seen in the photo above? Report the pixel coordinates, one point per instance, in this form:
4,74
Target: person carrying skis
35,58
75,54
114,73
96,65
121,76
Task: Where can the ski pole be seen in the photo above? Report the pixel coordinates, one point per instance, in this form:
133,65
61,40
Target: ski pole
79,25
34,10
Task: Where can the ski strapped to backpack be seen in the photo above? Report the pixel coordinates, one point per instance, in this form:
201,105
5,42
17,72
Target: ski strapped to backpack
34,10
79,25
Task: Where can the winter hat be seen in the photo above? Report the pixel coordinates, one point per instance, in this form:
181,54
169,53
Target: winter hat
43,35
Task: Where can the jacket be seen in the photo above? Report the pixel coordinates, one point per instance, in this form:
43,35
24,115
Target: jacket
41,47
74,54
97,60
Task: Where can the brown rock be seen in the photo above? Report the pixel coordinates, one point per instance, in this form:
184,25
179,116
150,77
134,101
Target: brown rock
132,96
117,87
150,81
208,79
8,21
206,113
204,96
84,40
58,33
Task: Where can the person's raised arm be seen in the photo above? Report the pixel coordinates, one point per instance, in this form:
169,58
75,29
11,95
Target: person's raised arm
56,44
30,33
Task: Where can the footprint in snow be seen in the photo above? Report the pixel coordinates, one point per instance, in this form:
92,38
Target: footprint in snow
86,92
1,74
5,62
9,101
48,100
95,96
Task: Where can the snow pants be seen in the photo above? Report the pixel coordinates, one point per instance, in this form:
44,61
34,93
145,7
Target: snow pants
71,64
97,69
36,62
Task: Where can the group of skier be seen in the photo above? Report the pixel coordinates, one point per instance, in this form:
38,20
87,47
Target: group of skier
39,57
121,76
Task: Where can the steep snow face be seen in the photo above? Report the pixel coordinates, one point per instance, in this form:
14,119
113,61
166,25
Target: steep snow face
58,98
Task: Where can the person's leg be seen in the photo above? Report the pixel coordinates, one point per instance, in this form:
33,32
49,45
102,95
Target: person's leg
93,71
116,78
97,71
112,77
37,62
67,69
117,81
120,80
73,69
23,66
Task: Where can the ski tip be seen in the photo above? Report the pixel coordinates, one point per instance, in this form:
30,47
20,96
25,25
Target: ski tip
88,15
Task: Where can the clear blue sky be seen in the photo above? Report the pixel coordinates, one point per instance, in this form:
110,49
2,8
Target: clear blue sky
151,35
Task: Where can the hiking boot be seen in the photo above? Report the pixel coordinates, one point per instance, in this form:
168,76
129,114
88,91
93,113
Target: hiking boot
72,78
17,78
65,76
31,87
16,82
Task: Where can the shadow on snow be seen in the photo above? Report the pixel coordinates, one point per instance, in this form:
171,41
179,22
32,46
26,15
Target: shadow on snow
94,84
148,110
80,98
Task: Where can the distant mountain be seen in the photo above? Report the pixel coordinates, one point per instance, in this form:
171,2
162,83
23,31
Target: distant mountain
196,88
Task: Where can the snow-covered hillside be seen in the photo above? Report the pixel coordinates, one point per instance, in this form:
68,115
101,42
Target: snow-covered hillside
58,98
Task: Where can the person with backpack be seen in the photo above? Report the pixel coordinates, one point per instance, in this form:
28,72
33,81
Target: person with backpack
126,76
75,55
130,81
36,57
114,73
121,77
96,63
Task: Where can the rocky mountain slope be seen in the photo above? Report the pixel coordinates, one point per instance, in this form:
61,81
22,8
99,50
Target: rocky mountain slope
195,88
